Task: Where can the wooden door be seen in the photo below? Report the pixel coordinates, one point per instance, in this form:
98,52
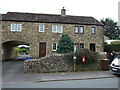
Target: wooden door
42,51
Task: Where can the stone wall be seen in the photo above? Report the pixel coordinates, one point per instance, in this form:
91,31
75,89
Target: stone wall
50,63
56,63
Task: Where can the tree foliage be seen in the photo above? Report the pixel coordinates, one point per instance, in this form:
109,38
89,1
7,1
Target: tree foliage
111,29
65,45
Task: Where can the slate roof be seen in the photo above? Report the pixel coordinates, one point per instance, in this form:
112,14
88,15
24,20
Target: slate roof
49,18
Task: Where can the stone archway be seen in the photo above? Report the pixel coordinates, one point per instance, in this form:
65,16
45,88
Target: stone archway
7,48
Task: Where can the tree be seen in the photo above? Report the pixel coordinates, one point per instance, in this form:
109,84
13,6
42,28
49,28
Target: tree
111,29
65,45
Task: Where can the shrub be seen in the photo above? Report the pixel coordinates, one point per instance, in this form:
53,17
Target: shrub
115,43
90,57
65,45
110,48
113,46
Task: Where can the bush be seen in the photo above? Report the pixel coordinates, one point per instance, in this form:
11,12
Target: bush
115,43
113,46
110,48
90,57
65,45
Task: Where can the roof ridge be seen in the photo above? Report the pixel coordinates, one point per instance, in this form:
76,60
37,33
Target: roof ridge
48,14
50,18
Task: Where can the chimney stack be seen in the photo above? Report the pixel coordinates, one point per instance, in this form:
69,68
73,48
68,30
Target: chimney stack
63,12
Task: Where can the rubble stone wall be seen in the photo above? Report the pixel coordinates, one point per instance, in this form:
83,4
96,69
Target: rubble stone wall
56,63
50,63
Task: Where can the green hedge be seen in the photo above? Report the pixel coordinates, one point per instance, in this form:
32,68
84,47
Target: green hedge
90,57
110,48
92,60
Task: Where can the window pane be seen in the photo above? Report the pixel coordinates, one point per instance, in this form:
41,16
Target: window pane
92,46
41,28
77,46
54,28
54,46
81,29
59,29
19,27
93,30
13,27
76,29
81,45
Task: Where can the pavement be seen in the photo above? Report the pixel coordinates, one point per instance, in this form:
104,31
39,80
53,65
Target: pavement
76,75
13,73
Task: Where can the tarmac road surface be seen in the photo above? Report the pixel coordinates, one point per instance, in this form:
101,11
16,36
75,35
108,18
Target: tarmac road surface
90,83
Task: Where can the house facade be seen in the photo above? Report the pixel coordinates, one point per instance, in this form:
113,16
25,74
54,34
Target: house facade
42,32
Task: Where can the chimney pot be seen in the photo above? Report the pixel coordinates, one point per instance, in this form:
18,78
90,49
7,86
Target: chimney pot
63,12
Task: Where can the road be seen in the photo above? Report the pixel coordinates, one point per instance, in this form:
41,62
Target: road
13,77
90,83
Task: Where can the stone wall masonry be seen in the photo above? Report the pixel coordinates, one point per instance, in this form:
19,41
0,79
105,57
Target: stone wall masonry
30,35
50,63
58,63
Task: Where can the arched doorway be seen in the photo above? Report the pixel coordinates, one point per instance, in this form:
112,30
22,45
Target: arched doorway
8,48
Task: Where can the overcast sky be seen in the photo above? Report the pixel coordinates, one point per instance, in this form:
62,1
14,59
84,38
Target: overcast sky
97,8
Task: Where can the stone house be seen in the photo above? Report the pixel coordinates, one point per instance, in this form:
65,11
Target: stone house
43,31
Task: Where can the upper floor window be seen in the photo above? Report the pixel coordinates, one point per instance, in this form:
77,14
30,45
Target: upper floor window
76,29
54,28
19,27
41,28
13,27
16,27
93,30
79,29
57,28
54,46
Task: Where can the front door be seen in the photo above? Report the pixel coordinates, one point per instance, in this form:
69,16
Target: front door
42,51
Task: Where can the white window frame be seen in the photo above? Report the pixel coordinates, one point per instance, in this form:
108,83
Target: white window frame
54,28
53,46
59,28
93,30
19,27
13,27
41,28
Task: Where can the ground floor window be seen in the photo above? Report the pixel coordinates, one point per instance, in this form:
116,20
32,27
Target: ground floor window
79,46
54,46
92,46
